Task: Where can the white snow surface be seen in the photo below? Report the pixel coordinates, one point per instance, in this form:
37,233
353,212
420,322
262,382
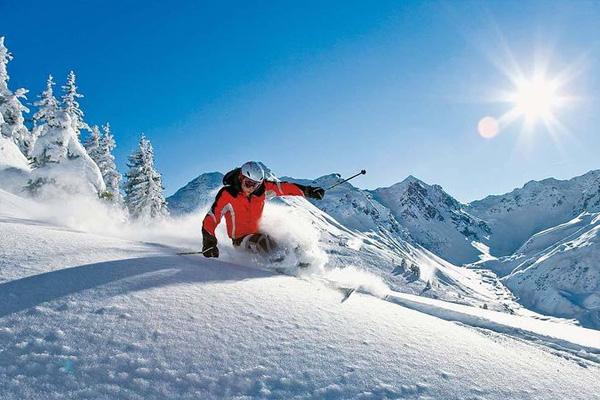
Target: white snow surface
378,253
11,156
14,167
90,310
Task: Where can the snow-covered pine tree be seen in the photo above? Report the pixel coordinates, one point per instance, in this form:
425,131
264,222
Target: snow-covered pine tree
11,108
400,269
59,160
108,168
92,145
71,105
415,270
47,106
144,195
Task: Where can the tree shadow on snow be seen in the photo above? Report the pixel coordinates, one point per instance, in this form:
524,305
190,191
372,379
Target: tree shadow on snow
119,277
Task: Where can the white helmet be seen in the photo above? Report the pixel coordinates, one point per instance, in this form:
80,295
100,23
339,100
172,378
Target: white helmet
253,170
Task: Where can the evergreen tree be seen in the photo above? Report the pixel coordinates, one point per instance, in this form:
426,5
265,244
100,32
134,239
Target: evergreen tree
108,168
415,270
47,106
11,107
53,144
71,105
59,159
144,195
92,144
403,264
5,58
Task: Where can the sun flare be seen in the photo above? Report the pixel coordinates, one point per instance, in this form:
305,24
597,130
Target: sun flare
536,99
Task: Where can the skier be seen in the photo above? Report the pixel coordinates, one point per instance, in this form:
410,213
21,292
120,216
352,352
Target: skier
241,201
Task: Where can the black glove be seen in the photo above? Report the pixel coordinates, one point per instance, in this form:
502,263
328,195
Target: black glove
209,245
314,192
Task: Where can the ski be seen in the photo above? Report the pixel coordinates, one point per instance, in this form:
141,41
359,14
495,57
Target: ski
347,292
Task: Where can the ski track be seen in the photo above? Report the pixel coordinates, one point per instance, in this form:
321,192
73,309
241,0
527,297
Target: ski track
578,342
87,316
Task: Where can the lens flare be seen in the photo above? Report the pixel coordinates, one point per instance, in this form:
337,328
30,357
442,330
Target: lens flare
488,127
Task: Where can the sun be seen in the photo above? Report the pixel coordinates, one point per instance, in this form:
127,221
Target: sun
536,99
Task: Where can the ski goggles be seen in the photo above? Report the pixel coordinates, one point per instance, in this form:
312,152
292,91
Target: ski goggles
249,183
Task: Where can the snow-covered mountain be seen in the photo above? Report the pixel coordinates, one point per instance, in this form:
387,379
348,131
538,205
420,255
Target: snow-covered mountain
435,219
514,217
107,312
547,232
557,271
195,194
353,207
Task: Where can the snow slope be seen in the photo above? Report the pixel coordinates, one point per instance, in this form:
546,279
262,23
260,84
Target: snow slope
379,254
556,272
14,167
84,315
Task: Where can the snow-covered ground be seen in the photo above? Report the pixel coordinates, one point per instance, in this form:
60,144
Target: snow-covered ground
14,167
92,311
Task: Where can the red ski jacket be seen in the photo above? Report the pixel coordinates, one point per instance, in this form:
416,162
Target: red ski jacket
242,213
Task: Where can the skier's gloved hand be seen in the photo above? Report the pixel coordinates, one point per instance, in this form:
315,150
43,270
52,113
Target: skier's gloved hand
314,192
211,252
209,245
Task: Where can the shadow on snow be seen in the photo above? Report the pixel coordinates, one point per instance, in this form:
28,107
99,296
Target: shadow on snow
118,277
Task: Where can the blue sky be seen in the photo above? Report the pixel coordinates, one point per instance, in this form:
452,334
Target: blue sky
314,87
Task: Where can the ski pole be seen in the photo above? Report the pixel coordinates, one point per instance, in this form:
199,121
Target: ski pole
195,252
362,172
